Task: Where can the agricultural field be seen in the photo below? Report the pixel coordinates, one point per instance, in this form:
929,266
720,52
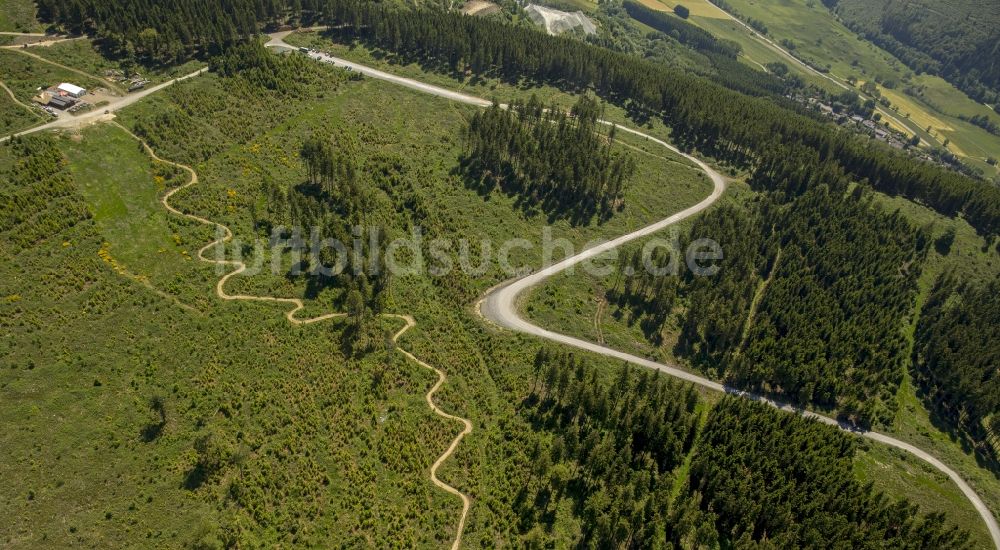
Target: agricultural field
755,53
821,39
86,56
920,100
952,38
697,8
816,37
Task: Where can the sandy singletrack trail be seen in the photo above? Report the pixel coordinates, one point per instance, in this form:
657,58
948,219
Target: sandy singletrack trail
297,305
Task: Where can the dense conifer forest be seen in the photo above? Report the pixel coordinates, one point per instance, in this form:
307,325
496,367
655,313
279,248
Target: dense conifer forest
957,353
809,302
610,448
334,201
722,123
759,478
775,480
560,162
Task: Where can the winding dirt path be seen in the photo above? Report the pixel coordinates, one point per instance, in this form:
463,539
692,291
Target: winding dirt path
298,305
86,75
42,43
410,322
18,101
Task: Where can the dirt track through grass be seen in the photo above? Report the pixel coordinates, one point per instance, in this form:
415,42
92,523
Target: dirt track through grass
409,322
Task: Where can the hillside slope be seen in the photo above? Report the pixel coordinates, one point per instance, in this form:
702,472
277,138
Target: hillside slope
956,39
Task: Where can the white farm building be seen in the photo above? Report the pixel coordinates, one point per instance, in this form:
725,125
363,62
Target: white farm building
72,90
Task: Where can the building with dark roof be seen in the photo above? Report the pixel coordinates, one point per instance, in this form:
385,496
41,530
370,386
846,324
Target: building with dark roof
62,102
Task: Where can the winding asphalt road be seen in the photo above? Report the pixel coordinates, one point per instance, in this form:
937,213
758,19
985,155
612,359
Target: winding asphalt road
500,303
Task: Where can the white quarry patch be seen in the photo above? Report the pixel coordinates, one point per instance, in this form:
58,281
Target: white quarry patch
556,22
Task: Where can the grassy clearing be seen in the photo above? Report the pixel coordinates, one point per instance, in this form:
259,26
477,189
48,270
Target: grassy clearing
25,75
971,260
15,117
360,430
895,472
19,16
122,186
917,425
82,400
79,54
819,38
969,256
85,55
